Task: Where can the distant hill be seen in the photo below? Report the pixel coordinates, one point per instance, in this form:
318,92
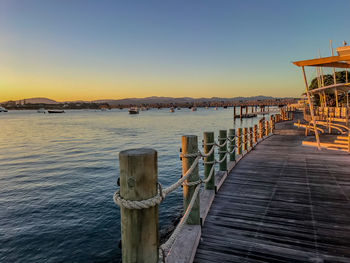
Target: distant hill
35,101
147,100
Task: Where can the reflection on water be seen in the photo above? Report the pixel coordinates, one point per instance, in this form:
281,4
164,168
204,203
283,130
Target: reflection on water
58,174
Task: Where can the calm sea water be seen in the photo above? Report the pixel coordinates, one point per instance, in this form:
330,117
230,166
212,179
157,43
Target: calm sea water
58,174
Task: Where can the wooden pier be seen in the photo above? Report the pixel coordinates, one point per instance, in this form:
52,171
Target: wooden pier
282,203
272,200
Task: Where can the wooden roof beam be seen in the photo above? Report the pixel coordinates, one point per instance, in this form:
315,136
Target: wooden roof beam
334,65
321,61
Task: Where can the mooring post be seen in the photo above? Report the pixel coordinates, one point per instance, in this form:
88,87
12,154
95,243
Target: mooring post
189,145
255,133
260,129
267,128
139,227
241,109
239,141
234,111
222,150
271,124
208,144
244,139
231,145
250,137
349,142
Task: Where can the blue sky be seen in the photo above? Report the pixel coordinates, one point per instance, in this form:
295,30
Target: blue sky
115,49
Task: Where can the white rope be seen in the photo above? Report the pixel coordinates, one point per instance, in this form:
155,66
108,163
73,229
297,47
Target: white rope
221,145
171,188
231,140
158,198
170,241
222,160
134,204
203,180
208,153
210,175
233,150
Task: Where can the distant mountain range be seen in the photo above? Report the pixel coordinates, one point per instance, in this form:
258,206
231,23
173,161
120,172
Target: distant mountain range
147,100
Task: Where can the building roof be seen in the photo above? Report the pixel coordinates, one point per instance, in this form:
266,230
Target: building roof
342,60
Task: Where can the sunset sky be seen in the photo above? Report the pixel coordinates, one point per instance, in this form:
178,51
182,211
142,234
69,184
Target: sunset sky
70,49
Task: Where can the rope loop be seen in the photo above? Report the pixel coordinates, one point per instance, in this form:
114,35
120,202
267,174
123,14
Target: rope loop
142,204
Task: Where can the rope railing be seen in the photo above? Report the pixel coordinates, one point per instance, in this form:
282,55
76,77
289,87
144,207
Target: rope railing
170,241
230,145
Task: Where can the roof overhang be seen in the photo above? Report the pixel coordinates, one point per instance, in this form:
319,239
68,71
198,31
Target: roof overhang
333,61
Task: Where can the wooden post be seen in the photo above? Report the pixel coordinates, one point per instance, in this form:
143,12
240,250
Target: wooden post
139,227
239,141
260,129
244,139
241,109
222,150
267,128
234,112
255,133
349,142
208,141
250,137
231,146
189,144
271,124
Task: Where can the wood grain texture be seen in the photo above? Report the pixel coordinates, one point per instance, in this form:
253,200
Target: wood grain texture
183,250
281,203
139,227
189,145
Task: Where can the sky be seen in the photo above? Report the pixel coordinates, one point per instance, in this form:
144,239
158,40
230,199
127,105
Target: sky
72,49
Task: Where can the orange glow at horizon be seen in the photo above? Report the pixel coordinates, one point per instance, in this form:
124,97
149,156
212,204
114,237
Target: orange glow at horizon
94,86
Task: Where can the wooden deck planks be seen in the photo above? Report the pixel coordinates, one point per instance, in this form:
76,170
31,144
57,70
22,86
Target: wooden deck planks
282,203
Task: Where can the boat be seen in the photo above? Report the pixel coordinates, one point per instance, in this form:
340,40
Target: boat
56,111
171,109
41,110
178,108
2,109
215,108
134,110
194,108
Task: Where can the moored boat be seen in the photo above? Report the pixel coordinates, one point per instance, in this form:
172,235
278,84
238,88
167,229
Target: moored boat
134,110
41,110
171,109
2,109
56,111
